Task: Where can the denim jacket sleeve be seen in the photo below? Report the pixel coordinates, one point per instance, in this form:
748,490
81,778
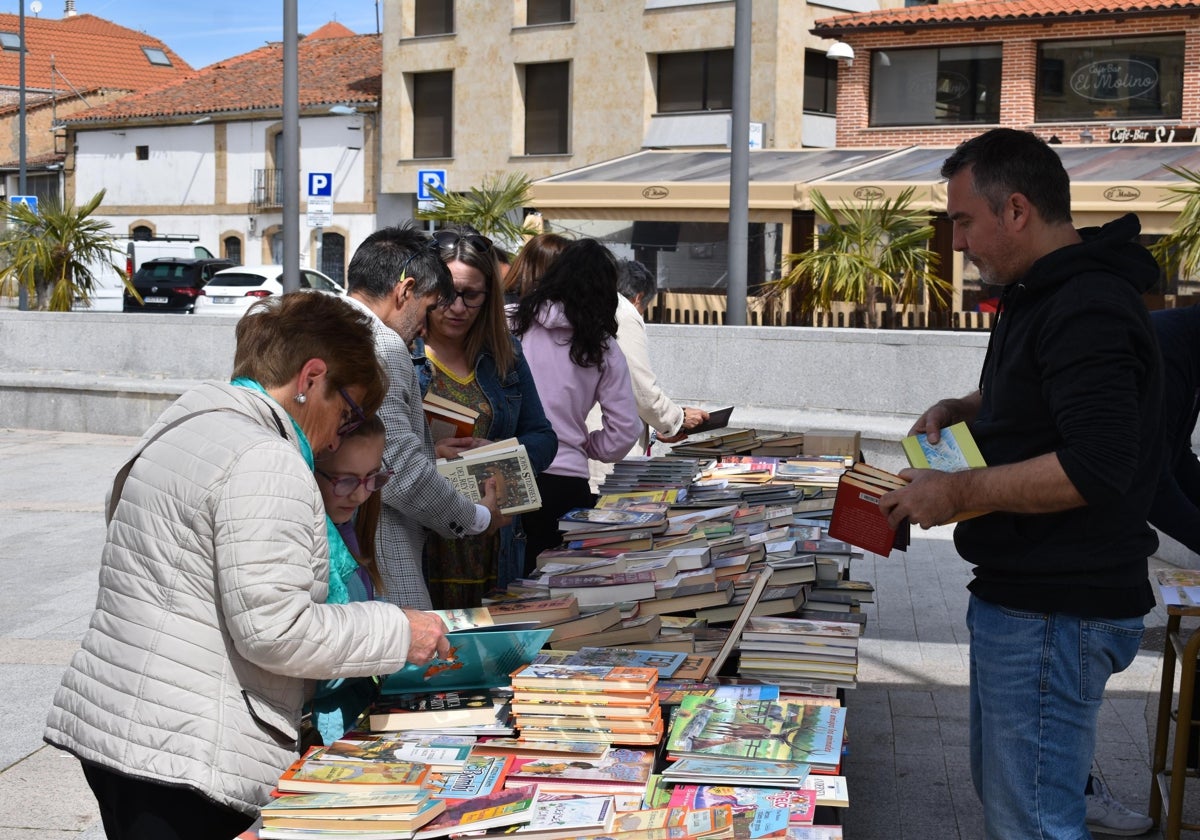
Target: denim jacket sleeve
517,408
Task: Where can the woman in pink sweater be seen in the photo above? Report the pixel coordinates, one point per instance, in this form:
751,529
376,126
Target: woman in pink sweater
567,326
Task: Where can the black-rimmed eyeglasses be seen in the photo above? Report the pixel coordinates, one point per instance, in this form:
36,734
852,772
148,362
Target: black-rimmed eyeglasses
346,485
471,298
357,416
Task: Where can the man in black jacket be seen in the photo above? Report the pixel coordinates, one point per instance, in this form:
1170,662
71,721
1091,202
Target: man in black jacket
1066,416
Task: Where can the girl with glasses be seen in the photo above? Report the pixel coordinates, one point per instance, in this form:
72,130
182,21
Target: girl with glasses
477,363
350,478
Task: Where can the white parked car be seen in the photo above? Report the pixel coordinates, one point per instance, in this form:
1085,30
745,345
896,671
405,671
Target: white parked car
234,290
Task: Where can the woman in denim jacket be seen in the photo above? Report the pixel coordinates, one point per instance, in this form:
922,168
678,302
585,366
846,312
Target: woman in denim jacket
474,361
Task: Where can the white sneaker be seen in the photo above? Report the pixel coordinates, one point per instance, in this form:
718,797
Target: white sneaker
1105,815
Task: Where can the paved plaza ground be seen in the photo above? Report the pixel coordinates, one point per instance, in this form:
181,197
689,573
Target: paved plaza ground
908,769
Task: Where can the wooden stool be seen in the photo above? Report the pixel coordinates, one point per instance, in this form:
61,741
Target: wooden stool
1168,785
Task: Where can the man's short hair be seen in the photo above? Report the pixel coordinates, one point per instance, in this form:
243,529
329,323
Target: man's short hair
633,279
387,256
1004,161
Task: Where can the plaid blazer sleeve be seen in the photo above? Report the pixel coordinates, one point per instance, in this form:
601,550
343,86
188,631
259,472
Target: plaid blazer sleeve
418,497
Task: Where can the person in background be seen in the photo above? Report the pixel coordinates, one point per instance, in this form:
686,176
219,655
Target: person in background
1176,509
213,618
396,276
350,479
638,289
477,363
567,326
1070,432
531,265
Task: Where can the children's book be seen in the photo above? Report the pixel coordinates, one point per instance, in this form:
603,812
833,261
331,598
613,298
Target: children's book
593,677
555,817
500,808
955,450
478,659
757,811
352,804
312,775
584,750
479,776
666,662
723,771
440,752
620,770
704,727
394,712
337,822
1179,587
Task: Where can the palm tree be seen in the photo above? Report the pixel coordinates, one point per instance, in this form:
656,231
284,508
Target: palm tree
1179,251
490,208
866,252
53,250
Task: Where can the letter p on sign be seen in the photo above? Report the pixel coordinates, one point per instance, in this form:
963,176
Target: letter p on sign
320,184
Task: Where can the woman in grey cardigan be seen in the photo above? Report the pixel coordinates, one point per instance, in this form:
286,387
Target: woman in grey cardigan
218,602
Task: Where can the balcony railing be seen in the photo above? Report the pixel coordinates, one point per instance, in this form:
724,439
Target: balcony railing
268,189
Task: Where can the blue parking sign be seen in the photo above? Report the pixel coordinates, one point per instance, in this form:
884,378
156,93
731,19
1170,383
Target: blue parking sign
30,201
427,178
320,184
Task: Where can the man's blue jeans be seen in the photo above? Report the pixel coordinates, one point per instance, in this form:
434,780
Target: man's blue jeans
1037,680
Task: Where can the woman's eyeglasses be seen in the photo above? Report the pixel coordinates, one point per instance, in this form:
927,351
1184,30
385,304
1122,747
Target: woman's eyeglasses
471,298
450,238
357,417
346,485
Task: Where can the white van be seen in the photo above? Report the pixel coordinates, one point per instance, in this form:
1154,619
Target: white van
107,294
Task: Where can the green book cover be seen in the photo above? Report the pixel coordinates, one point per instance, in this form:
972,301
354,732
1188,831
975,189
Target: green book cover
478,659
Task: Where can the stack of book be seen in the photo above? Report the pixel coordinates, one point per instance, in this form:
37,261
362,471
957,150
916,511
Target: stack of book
800,654
587,703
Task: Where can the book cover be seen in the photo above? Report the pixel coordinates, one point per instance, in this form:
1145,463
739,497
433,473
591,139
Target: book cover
594,677
340,823
555,816
307,775
601,518
478,659
777,774
465,619
447,418
764,730
718,418
355,803
438,751
756,811
509,806
519,747
665,662
829,790
955,450
619,770
516,484
535,609
480,775
858,520
433,708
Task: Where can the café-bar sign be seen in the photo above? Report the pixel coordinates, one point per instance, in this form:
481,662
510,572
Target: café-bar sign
1152,134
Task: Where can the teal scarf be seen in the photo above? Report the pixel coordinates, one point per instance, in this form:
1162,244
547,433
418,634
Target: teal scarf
341,562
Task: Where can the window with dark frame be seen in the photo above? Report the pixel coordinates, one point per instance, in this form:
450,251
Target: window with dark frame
433,114
10,41
547,108
433,17
157,57
936,86
1110,79
233,249
820,83
547,11
141,152
695,81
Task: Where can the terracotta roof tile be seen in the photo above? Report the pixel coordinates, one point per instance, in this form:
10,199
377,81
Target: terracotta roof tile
998,11
333,29
331,70
89,52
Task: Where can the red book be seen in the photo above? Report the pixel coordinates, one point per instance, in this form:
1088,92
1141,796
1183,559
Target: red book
857,518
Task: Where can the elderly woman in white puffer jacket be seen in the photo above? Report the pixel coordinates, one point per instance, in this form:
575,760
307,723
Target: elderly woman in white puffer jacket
184,700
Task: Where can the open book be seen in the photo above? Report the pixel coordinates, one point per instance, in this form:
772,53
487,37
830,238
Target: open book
507,461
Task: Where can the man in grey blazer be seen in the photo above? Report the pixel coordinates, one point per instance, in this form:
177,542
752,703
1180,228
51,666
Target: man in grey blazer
397,275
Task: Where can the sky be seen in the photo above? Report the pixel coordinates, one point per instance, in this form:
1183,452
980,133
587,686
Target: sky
204,31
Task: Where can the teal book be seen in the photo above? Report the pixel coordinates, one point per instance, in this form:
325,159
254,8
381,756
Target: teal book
478,659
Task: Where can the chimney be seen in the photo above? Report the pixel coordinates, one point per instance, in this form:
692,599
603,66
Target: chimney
70,10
